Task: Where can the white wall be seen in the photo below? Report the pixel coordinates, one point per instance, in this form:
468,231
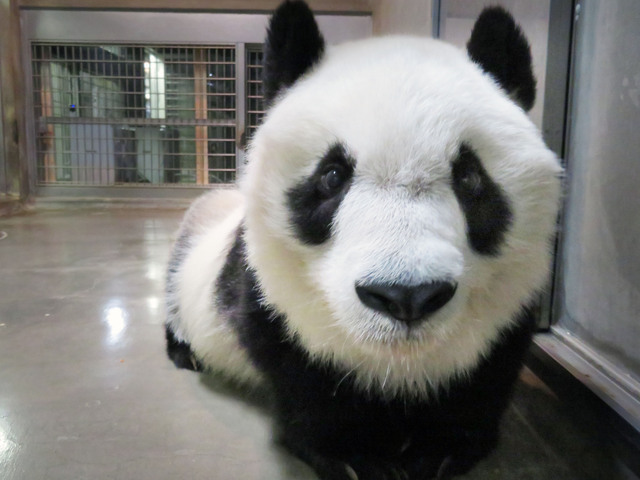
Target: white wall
197,28
402,16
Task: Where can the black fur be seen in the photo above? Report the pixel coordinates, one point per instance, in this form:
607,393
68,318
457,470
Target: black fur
313,203
499,46
180,352
293,45
230,282
483,202
324,419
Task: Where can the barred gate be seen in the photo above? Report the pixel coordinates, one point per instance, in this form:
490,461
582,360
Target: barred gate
255,104
141,115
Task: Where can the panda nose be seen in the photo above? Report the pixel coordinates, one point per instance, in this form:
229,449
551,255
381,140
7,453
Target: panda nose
408,304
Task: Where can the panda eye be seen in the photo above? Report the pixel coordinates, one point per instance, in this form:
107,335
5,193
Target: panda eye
472,182
484,204
332,180
468,174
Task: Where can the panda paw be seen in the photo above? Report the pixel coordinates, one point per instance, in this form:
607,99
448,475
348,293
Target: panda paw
355,468
453,466
446,469
368,469
413,465
426,469
463,460
459,460
375,470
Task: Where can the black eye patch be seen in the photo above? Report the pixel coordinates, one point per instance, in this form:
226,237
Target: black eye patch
485,205
314,202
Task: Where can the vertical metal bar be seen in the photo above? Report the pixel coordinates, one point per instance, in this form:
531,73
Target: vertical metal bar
79,172
443,11
71,62
557,74
31,132
154,130
435,18
71,130
122,92
83,173
4,186
97,129
554,121
200,89
146,129
241,106
571,15
46,131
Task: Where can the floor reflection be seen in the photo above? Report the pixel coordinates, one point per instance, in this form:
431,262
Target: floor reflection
116,318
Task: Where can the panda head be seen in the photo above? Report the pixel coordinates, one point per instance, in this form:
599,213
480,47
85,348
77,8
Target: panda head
400,203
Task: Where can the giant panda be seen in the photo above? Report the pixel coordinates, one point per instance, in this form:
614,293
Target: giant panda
375,268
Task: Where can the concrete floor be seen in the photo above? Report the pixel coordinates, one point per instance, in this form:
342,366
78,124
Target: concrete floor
86,391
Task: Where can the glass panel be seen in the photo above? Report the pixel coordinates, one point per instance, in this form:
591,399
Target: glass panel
600,299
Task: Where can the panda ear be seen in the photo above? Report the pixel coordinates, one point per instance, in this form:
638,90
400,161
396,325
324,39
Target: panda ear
498,45
293,45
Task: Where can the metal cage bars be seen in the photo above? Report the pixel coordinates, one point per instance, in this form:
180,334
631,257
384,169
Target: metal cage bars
136,114
254,93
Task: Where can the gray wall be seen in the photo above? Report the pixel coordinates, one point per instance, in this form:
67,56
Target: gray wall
167,27
402,16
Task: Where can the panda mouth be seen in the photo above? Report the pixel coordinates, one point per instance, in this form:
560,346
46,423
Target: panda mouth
397,334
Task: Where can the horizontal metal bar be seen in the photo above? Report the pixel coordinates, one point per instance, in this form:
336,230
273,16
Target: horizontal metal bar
146,45
86,193
136,121
169,79
614,386
166,140
127,61
338,6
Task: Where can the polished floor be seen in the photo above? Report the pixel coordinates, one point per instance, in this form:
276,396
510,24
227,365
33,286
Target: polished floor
86,391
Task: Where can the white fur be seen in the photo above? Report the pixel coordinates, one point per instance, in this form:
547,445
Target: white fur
210,224
402,106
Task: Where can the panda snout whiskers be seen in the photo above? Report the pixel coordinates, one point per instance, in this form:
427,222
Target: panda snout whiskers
407,304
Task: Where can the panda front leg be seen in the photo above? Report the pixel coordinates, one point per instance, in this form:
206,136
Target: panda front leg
356,467
474,447
420,467
456,453
340,450
348,435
